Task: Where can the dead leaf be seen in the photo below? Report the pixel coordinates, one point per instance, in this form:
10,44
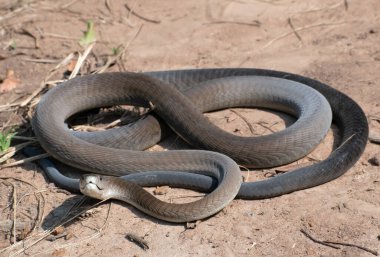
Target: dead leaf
10,82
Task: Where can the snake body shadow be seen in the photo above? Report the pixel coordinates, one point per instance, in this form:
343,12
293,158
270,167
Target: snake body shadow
65,100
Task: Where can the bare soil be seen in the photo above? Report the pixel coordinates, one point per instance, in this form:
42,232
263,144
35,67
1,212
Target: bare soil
334,41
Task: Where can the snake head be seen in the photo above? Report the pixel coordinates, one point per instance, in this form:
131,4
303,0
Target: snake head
94,186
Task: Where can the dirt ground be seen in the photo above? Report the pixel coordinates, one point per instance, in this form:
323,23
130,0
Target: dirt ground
334,41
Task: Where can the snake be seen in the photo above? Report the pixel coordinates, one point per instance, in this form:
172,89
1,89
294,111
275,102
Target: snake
179,97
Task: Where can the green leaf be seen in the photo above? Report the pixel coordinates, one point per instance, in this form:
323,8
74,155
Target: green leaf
89,35
5,140
115,50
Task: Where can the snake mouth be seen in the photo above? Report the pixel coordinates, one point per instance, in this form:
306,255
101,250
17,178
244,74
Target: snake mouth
90,182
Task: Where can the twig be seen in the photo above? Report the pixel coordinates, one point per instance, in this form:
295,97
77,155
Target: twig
301,29
14,206
294,30
69,4
317,241
353,245
345,4
88,238
81,60
108,6
49,231
245,179
35,38
42,86
245,120
25,138
26,160
11,151
254,23
137,240
331,244
267,127
123,48
345,142
140,16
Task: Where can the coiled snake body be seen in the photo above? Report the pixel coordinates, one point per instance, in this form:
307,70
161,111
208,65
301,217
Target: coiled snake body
204,90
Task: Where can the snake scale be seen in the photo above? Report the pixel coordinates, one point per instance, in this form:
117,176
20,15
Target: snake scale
179,98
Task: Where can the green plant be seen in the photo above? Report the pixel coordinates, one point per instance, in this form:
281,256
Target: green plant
12,45
5,140
115,50
89,35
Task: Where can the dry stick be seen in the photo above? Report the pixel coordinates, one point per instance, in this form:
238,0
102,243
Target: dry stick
26,160
245,120
10,152
140,16
345,142
28,33
25,138
8,105
69,4
331,243
16,147
81,60
294,30
254,23
44,234
43,83
317,241
12,13
137,240
14,206
99,230
345,4
353,245
248,172
124,48
267,127
108,6
301,29
48,232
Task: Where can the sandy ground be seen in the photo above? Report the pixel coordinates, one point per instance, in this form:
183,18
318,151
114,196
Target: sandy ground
334,41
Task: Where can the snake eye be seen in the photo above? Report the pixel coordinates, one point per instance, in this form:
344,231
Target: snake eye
100,178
